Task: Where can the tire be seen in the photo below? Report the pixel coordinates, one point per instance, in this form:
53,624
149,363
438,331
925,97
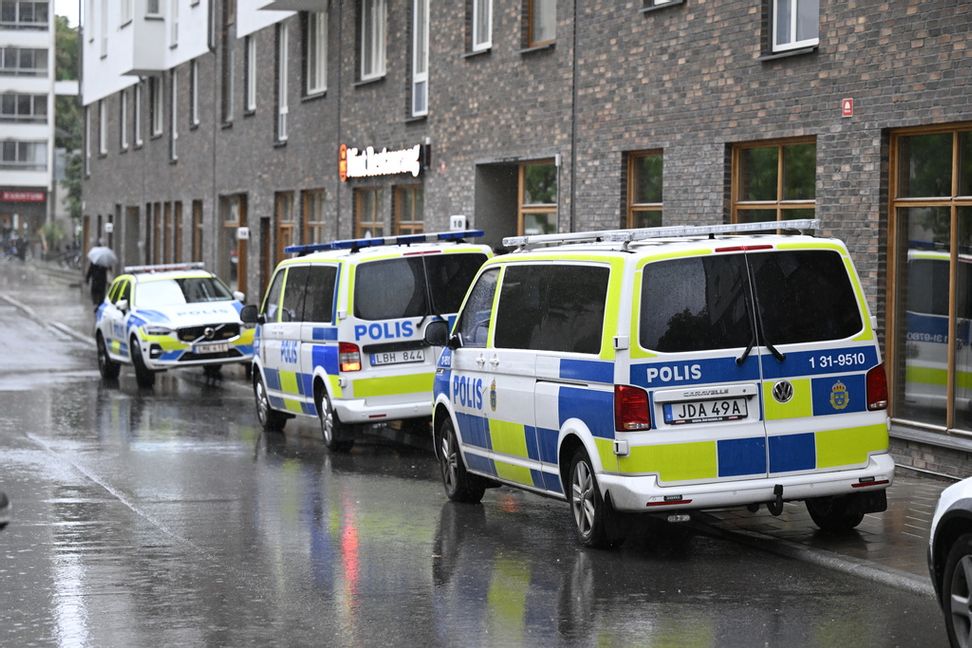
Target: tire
337,435
109,368
144,377
593,517
270,419
957,592
460,486
834,514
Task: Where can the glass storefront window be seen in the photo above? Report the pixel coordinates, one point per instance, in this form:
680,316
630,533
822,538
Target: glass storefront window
925,166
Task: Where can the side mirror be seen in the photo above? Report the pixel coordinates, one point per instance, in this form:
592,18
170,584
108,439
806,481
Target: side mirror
250,315
437,333
238,296
122,305
455,342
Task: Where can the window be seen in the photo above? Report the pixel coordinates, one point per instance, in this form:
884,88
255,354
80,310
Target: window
194,93
372,51
102,128
541,22
16,107
420,57
23,61
409,209
104,28
137,114
282,82
176,232
23,156
123,120
482,25
796,23
645,189
18,14
287,230
537,198
271,302
319,297
249,71
228,58
197,230
367,220
153,8
126,11
156,107
87,141
552,308
174,116
473,327
313,203
774,181
315,53
173,23
930,299
293,298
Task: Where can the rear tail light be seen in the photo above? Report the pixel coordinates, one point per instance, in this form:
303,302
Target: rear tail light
877,388
631,409
349,356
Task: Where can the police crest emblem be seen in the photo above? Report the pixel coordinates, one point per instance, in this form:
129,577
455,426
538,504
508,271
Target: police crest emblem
839,396
492,396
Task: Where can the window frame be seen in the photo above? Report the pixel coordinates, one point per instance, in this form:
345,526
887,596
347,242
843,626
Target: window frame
792,44
102,129
249,74
316,27
194,93
378,34
481,46
123,119
156,106
283,41
778,206
532,42
634,208
523,208
173,24
400,225
174,115
378,220
420,59
311,221
137,115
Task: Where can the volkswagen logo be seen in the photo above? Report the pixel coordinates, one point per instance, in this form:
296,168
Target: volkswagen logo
783,391
209,332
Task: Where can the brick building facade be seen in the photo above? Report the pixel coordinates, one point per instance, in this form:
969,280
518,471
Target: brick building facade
628,113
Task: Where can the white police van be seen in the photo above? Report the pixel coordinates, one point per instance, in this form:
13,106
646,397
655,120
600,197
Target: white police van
340,330
666,369
168,316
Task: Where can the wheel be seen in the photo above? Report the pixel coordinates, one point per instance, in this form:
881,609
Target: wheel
144,377
957,592
270,419
834,514
109,368
337,435
593,517
459,485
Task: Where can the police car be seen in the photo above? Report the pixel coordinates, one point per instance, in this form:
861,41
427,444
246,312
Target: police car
160,317
663,370
340,330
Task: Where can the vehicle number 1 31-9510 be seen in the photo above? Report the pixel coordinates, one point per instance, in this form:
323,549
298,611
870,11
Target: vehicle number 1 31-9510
840,360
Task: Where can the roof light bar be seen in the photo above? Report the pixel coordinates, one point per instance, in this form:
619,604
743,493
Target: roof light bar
405,239
165,267
671,231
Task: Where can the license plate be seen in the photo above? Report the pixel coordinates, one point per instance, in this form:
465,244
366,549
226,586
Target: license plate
705,411
218,347
397,357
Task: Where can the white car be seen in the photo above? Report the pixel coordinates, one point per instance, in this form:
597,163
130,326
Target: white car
169,316
950,560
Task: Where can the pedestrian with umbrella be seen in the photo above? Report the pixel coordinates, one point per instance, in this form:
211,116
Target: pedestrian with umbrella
100,260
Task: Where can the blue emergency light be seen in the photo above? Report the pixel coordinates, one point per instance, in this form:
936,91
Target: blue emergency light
404,239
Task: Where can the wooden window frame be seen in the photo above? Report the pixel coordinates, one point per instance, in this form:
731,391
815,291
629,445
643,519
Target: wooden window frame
309,224
778,206
360,225
177,231
531,42
641,208
522,209
399,224
286,222
197,230
953,203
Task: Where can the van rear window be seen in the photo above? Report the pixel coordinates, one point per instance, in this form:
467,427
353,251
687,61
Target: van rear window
413,286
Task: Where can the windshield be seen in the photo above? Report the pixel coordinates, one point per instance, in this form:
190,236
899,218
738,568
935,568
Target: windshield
172,292
413,286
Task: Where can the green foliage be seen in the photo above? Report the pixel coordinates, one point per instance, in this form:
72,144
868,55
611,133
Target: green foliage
72,181
68,113
67,58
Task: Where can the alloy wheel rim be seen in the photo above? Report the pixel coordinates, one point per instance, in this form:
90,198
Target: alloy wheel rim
961,601
582,498
327,422
261,402
102,355
450,465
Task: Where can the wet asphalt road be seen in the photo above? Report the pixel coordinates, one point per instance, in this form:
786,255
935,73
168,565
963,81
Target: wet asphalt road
165,517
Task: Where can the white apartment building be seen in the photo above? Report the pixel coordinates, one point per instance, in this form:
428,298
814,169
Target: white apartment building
27,90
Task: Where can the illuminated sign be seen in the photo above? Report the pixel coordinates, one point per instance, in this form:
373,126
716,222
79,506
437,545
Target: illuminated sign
369,163
22,196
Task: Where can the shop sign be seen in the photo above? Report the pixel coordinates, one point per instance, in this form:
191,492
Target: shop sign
22,196
369,163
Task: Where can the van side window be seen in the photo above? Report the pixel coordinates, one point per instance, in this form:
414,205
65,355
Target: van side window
473,324
804,296
272,301
696,304
293,301
319,298
552,308
390,289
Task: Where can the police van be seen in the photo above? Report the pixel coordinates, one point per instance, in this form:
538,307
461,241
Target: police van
340,330
663,370
168,316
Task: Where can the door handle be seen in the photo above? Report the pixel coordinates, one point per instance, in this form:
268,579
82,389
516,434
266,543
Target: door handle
480,361
494,362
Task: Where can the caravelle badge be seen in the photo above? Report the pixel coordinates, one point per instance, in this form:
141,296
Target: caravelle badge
783,391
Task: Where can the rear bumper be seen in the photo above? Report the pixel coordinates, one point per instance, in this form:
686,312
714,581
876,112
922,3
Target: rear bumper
361,411
634,493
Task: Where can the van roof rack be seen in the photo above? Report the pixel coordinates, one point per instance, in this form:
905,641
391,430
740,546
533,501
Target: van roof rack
165,267
405,239
626,236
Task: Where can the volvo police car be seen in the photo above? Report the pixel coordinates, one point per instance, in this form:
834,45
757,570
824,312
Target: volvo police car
168,316
664,370
340,330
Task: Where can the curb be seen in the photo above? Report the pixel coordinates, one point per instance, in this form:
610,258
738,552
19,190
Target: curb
889,576
32,314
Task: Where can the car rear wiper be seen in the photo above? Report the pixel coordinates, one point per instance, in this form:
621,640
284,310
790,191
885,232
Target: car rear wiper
749,349
776,353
